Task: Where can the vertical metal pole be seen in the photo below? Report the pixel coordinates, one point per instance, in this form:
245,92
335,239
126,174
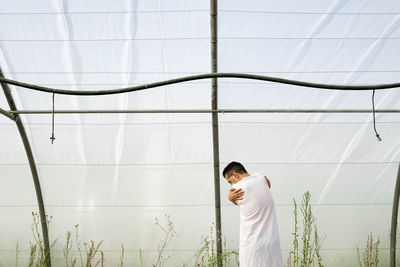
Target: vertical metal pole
214,106
395,211
34,172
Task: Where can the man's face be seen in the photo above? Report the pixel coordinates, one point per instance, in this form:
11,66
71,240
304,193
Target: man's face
233,179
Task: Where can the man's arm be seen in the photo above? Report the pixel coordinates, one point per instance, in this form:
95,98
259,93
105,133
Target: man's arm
235,195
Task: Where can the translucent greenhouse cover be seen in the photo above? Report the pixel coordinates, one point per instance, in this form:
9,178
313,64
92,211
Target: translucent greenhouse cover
113,174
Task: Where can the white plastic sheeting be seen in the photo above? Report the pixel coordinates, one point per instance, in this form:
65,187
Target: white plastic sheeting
113,174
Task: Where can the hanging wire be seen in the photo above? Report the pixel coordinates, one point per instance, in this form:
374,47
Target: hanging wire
373,113
52,138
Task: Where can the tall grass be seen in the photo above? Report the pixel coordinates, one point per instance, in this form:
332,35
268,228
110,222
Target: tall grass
206,255
168,232
121,259
70,261
308,254
38,255
90,250
16,254
370,254
89,254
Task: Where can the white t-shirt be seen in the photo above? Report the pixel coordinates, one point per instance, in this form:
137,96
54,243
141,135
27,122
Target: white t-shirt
259,235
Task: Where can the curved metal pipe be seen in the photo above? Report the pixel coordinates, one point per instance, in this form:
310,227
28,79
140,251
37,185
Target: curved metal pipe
34,172
7,114
395,211
200,77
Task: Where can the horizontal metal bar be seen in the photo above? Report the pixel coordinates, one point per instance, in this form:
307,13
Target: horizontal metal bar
206,111
200,77
198,38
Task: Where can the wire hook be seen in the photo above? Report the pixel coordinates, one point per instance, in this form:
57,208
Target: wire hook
373,113
52,138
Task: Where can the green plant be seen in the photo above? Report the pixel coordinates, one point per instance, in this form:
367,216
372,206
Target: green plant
68,257
311,243
207,256
102,260
168,232
78,243
293,259
32,254
16,254
122,256
91,251
141,257
317,246
38,254
370,254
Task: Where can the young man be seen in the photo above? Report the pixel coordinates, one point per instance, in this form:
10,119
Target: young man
259,237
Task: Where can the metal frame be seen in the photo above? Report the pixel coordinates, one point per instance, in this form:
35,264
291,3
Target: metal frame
32,165
7,114
155,111
395,210
201,77
14,115
215,132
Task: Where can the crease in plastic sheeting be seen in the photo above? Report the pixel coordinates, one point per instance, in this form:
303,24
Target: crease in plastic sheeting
372,193
161,28
364,62
305,46
370,55
387,188
323,22
7,67
388,184
299,143
373,51
346,153
119,144
386,100
75,66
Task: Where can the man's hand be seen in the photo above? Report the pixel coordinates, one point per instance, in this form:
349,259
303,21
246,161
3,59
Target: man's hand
235,195
268,182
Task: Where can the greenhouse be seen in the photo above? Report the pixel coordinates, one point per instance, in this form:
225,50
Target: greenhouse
117,119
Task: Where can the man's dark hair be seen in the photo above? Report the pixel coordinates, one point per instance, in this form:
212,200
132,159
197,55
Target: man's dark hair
233,167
